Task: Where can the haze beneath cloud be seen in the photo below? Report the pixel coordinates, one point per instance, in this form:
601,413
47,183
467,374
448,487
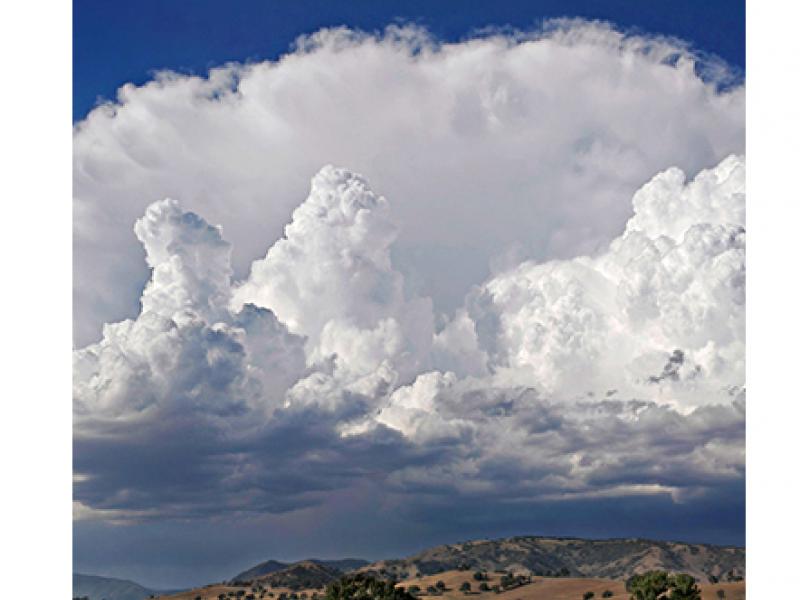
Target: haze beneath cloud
519,292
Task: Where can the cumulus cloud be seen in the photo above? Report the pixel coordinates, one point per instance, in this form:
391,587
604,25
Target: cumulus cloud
331,279
659,314
615,375
526,145
535,294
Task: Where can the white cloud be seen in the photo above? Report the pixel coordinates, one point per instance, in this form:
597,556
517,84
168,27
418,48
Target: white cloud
604,356
529,144
185,351
330,278
660,314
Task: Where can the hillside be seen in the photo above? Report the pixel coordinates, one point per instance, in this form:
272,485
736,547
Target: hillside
107,588
540,588
302,575
272,566
612,559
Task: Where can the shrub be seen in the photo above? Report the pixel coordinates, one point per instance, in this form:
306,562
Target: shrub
607,594
440,585
484,587
479,576
432,590
588,595
465,587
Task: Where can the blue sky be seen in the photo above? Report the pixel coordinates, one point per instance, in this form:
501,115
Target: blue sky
117,42
531,317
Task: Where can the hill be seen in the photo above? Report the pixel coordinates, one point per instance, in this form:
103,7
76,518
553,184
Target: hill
272,566
107,588
303,575
539,588
612,559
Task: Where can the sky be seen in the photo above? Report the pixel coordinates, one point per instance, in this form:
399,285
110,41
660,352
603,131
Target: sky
409,278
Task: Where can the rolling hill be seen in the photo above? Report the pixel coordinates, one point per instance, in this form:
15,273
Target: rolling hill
612,559
335,567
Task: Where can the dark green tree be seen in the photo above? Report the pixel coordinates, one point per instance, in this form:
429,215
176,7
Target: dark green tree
684,587
465,587
361,586
659,585
607,594
652,585
588,595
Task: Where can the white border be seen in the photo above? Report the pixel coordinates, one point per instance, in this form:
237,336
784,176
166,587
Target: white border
36,439
773,220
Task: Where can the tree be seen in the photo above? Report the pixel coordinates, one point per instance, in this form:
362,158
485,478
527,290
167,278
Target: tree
659,585
432,590
465,587
684,587
588,595
652,585
361,586
440,585
484,587
607,594
413,590
479,576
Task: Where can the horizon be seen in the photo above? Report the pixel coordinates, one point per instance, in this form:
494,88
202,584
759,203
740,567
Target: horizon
368,561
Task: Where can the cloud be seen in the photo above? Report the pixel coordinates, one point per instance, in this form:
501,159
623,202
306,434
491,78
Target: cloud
660,314
526,146
617,375
331,279
527,314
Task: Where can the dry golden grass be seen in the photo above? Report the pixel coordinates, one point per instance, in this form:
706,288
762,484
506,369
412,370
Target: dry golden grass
212,592
542,588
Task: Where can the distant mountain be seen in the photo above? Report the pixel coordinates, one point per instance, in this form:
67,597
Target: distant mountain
614,559
261,569
302,575
107,588
290,571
